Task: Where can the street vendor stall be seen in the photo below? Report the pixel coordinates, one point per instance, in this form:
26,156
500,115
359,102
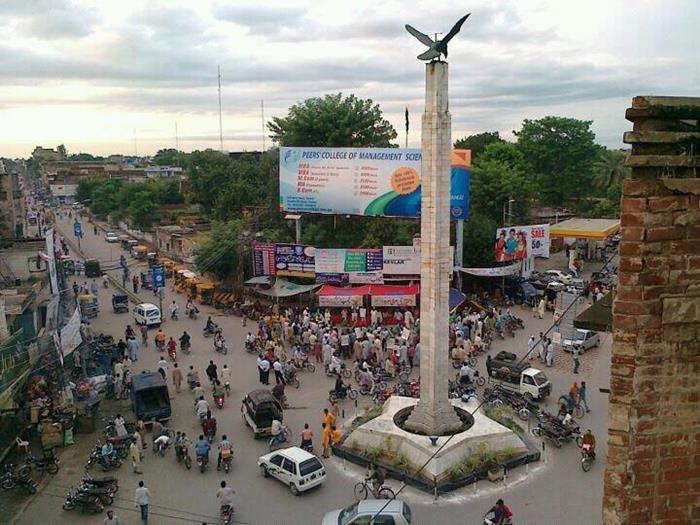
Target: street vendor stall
394,295
342,297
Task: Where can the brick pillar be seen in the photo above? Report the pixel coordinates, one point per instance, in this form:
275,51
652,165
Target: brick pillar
653,464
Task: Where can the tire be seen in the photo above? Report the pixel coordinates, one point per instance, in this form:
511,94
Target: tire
386,493
52,468
480,381
456,365
360,491
352,394
7,483
524,414
264,472
586,464
188,462
24,472
122,453
364,390
31,488
382,385
528,397
578,412
332,397
310,367
472,361
294,489
537,431
106,499
346,373
404,376
68,506
496,402
98,508
579,441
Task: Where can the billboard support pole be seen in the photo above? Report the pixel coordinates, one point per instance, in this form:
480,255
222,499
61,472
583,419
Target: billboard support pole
298,230
459,235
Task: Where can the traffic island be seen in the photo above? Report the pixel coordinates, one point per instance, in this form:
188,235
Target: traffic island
481,446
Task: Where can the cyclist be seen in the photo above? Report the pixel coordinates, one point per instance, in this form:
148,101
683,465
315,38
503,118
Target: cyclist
375,478
501,513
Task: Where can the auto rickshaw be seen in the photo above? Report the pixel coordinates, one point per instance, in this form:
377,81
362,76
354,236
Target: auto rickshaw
139,251
205,293
130,244
92,268
147,280
120,303
152,258
68,266
259,408
124,241
168,267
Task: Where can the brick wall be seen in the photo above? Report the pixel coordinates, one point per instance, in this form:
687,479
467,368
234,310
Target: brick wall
653,464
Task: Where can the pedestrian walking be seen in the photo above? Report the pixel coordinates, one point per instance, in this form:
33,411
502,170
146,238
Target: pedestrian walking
531,344
177,378
138,440
111,519
279,376
326,440
144,334
135,455
162,368
135,283
543,347
575,353
265,367
142,497
549,355
212,372
141,429
582,393
541,308
133,346
260,369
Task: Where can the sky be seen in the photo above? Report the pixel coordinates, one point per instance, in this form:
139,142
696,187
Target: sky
119,76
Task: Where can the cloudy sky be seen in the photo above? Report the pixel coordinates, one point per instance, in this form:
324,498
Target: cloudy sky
115,76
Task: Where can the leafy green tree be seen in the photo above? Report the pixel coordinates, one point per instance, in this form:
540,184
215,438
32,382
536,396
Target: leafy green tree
501,174
477,143
333,121
61,149
170,157
562,153
479,237
224,251
209,171
609,168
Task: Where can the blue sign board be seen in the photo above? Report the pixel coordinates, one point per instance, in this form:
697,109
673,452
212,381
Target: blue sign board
158,277
77,229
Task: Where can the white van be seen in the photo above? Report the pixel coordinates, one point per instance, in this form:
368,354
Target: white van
148,314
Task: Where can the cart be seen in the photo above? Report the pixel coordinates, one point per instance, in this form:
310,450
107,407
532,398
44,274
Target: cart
120,303
139,251
88,306
147,280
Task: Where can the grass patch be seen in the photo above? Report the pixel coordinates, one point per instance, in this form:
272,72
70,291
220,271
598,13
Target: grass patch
506,416
483,457
368,414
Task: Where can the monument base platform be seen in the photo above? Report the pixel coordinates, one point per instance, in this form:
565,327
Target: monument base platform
383,433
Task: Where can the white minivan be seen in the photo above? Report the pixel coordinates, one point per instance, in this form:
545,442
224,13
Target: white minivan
148,314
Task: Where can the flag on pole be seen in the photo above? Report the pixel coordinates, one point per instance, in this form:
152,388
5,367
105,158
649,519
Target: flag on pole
406,119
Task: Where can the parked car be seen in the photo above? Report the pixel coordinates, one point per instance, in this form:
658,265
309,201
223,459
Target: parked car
295,467
396,512
560,276
582,339
148,314
111,237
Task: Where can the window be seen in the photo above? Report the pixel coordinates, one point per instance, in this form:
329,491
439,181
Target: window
289,466
309,466
382,519
528,380
407,513
276,460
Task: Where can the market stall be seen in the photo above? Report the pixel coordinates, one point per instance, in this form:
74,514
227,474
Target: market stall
342,297
386,295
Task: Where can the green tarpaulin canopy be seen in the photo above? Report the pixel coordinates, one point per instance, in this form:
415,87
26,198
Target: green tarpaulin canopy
598,316
284,288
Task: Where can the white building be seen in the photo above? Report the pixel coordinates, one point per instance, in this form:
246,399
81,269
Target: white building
154,172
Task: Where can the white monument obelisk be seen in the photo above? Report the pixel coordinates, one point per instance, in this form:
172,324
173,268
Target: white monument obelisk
434,414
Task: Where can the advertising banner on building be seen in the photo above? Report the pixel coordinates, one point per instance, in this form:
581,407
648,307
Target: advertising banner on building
343,266
263,259
394,300
363,181
70,334
516,243
401,260
294,260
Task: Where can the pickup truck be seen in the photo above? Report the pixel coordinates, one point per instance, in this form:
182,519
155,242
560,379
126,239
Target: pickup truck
506,370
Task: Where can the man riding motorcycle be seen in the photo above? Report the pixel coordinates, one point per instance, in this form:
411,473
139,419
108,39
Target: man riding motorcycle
201,407
218,391
225,451
501,513
336,365
226,495
173,310
201,449
278,432
160,339
209,426
185,342
588,443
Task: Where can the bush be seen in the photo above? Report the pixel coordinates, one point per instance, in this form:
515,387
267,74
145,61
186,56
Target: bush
505,415
483,457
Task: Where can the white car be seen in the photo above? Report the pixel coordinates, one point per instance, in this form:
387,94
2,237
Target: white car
582,339
111,237
560,276
296,468
395,512
148,314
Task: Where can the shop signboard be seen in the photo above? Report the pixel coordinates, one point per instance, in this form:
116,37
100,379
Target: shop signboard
401,260
364,181
394,300
263,259
294,260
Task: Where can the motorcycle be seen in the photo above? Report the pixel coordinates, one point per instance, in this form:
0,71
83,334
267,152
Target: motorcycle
105,282
308,447
220,346
11,478
219,401
202,463
226,514
346,393
121,445
193,313
84,501
185,347
587,458
107,482
280,438
344,372
49,465
291,378
182,453
172,354
104,494
107,463
208,332
173,315
226,460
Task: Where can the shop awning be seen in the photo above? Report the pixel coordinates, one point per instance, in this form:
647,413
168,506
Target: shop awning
328,290
284,288
383,290
263,279
598,316
456,299
596,229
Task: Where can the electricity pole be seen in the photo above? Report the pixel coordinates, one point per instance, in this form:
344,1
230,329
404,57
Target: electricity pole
221,131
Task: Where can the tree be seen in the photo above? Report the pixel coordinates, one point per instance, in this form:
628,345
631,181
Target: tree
479,235
170,157
499,175
222,254
61,149
333,121
610,168
477,143
209,171
562,154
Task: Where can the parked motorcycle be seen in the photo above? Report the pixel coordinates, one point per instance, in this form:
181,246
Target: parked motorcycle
104,494
107,482
21,477
348,392
84,502
48,464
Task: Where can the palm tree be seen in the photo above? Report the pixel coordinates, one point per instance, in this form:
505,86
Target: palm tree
610,168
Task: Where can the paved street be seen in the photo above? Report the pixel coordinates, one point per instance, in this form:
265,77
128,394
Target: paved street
554,491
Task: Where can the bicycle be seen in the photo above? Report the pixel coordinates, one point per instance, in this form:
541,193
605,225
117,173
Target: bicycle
363,490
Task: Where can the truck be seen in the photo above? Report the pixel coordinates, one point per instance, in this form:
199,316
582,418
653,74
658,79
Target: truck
149,397
506,370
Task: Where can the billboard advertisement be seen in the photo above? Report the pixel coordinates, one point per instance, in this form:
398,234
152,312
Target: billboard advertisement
284,260
349,266
364,181
401,260
517,243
